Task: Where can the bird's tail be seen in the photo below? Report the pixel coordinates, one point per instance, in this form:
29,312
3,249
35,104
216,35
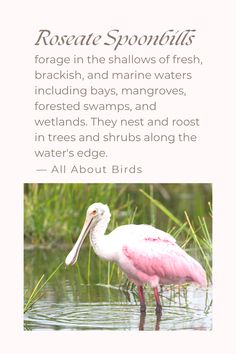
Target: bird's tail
199,274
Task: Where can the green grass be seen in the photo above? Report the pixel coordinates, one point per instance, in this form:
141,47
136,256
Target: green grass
37,291
54,213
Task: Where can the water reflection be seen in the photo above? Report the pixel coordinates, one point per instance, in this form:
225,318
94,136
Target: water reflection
81,314
67,304
142,321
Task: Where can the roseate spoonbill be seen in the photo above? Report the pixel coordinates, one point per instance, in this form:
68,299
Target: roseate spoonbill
144,253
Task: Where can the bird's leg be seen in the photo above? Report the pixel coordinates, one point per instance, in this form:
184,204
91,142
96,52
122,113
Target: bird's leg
141,298
158,302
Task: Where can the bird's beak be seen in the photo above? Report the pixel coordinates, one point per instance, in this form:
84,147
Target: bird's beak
73,255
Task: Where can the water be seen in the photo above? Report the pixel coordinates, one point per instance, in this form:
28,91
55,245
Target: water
69,304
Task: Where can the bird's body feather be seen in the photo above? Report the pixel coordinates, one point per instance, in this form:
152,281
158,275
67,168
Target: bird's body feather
149,255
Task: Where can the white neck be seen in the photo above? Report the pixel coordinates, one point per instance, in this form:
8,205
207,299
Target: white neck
99,241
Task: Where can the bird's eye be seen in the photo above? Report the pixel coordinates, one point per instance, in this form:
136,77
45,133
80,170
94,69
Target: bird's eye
94,212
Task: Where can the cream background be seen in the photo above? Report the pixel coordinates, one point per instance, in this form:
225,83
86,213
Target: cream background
211,161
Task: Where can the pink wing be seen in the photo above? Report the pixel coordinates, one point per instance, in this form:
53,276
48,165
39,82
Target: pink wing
166,260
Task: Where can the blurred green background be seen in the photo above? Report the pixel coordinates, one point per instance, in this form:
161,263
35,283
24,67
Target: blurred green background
54,213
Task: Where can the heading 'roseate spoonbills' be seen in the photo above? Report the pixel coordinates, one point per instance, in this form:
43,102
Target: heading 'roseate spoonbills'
144,253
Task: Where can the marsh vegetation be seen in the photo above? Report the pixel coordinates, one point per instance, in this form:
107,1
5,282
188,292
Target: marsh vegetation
59,298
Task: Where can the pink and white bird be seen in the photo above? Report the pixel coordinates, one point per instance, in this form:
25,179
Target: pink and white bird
144,253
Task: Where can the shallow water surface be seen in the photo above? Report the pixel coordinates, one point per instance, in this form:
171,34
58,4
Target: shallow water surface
68,304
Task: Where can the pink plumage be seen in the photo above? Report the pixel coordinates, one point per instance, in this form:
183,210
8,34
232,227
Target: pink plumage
169,265
149,255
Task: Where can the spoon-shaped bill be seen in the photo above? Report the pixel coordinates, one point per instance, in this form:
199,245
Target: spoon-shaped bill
73,255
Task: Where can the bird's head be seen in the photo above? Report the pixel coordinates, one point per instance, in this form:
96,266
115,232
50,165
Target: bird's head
95,213
98,211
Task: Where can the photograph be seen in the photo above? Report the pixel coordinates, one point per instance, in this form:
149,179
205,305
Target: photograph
122,256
